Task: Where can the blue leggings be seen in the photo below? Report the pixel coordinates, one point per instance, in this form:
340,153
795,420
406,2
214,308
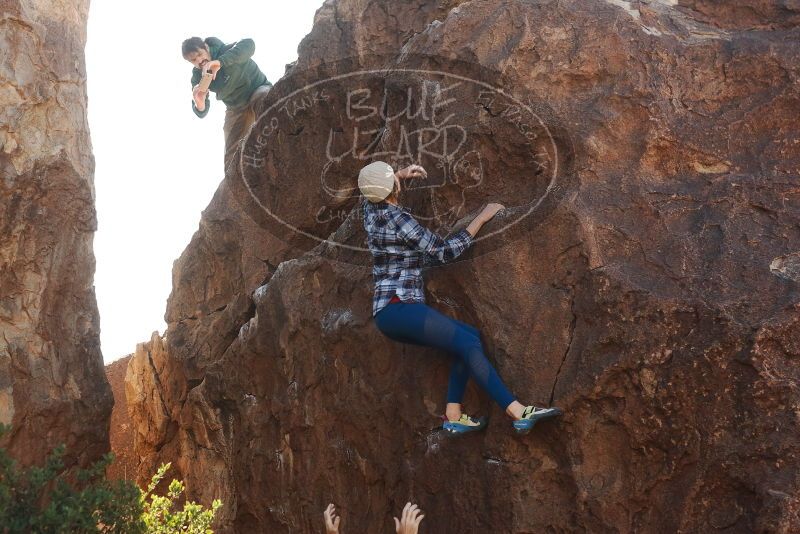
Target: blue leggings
422,325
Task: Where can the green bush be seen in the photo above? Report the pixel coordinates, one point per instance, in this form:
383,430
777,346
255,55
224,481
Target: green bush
160,519
42,500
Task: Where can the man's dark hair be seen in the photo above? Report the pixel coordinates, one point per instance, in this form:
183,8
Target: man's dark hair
192,44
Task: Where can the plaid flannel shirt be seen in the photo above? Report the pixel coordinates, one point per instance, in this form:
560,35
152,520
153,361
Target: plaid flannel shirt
400,248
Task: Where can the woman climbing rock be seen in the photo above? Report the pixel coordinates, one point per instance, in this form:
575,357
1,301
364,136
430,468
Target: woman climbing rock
400,247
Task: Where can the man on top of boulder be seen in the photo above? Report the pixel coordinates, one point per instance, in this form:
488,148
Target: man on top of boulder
229,71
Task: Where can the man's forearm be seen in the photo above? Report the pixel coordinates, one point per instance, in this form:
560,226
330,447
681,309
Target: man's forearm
200,105
200,112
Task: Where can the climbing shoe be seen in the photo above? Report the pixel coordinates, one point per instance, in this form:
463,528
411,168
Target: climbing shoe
464,425
531,415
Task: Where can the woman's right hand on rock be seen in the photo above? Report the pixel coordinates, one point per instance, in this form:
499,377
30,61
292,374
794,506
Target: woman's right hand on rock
490,211
483,217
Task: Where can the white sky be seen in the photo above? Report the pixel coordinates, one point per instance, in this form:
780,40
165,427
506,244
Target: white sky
157,164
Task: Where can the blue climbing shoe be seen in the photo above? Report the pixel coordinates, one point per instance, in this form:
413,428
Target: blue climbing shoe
531,415
464,425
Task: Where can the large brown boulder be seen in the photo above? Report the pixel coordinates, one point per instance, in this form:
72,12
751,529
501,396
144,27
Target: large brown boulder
52,386
643,277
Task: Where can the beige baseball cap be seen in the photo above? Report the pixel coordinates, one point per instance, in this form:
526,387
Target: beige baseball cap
376,181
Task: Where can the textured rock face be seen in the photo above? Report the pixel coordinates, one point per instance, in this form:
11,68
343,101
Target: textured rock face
644,277
749,14
52,386
120,435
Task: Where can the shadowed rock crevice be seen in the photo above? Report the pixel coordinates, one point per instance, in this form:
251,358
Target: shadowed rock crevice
567,350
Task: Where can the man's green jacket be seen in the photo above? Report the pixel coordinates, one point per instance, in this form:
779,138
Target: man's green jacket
238,77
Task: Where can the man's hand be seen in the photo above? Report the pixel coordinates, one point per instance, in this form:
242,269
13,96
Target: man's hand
409,524
331,520
199,97
212,67
412,171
